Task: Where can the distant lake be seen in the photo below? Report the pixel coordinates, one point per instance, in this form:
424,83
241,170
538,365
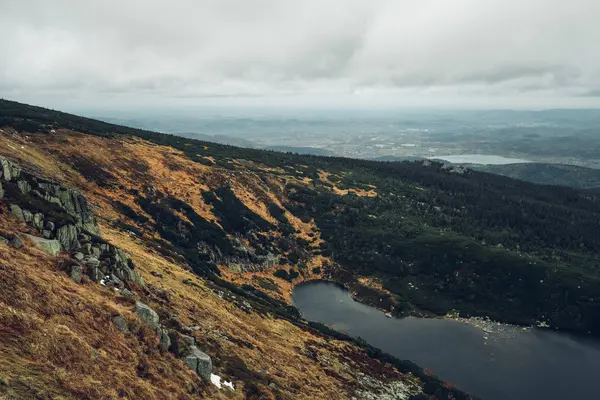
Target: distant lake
479,159
506,364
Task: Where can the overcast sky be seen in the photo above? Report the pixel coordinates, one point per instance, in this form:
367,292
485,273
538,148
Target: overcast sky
491,53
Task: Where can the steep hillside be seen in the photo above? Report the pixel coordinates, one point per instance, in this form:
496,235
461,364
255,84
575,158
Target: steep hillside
217,237
116,257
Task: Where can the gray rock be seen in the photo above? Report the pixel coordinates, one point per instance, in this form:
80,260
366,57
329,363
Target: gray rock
47,234
129,275
51,247
38,221
16,242
181,345
24,186
95,252
146,314
67,236
86,249
92,262
76,273
121,323
1,191
17,212
28,216
165,340
10,170
94,273
78,256
50,225
200,362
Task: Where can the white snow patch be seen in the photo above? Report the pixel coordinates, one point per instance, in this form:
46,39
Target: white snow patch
216,380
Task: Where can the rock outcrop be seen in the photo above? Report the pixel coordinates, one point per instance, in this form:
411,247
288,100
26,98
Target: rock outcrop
66,222
51,247
147,315
183,346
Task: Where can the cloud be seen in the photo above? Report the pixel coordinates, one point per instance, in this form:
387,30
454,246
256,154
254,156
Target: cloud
202,48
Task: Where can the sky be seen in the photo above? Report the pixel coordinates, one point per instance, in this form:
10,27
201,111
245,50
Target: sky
309,53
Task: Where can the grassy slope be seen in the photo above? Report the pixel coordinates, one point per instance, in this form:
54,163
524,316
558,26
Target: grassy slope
263,355
468,241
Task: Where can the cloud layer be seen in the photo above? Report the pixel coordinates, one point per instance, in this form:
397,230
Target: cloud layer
190,49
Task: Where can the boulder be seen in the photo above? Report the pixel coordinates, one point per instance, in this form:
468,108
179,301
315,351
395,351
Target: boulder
67,236
92,262
24,186
199,362
38,221
27,216
16,242
1,191
51,247
76,273
120,322
78,256
10,170
181,345
86,249
17,212
93,272
146,314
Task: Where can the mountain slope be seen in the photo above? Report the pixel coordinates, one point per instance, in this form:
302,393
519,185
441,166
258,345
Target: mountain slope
73,323
211,227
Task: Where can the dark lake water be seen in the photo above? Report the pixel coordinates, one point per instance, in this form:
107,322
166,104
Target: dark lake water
506,364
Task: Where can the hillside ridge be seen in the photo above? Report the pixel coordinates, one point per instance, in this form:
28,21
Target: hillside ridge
221,235
122,255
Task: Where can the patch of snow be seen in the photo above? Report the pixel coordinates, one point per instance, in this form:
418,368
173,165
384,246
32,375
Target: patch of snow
216,380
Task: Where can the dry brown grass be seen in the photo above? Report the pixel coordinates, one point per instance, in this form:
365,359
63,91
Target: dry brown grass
324,177
57,339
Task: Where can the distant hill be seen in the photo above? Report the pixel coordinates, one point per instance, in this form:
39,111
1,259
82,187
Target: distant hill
398,158
221,139
315,151
547,174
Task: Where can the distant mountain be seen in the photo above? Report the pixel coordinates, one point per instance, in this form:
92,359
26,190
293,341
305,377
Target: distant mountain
221,139
315,151
547,174
398,158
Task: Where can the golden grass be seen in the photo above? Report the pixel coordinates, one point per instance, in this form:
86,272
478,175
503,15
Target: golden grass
57,339
324,177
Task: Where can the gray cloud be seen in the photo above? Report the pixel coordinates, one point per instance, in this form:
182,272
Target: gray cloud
268,48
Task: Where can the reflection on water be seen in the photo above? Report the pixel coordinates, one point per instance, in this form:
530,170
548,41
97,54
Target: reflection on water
502,363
